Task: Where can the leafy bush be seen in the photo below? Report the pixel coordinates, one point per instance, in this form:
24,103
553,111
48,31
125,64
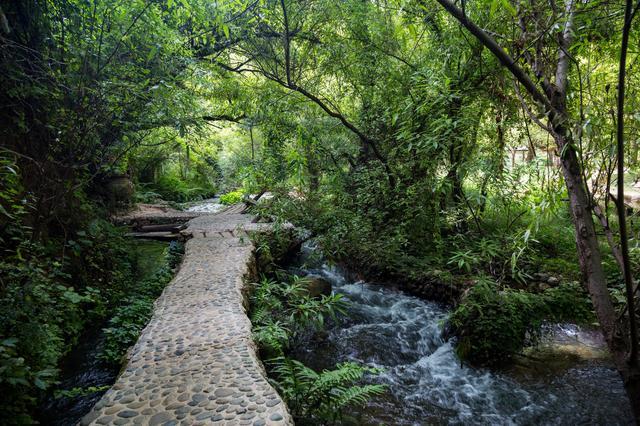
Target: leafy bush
281,311
493,325
18,381
232,197
173,188
125,326
101,255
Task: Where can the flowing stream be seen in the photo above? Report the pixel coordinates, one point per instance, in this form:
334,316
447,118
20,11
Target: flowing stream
571,380
211,205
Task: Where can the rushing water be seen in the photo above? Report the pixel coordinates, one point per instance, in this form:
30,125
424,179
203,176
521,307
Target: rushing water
427,384
211,205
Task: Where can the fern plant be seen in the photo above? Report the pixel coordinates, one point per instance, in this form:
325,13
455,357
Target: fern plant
272,337
280,312
323,397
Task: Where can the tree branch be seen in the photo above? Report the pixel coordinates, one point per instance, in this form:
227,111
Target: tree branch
499,53
224,117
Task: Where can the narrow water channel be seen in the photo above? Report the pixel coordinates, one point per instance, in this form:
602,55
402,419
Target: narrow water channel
210,205
83,369
427,383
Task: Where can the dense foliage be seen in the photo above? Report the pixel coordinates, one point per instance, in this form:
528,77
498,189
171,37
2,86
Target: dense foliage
420,141
281,311
284,314
492,325
42,313
281,314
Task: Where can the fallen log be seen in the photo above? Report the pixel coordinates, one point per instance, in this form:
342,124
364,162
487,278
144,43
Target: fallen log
171,227
161,236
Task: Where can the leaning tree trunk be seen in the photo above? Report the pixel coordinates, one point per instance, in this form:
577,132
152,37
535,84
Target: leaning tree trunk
591,267
632,378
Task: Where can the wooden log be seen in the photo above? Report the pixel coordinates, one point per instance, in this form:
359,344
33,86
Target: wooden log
172,227
161,236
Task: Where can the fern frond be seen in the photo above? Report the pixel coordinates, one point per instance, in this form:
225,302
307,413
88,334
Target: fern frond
358,395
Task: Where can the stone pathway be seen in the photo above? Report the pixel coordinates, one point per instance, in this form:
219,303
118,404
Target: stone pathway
195,362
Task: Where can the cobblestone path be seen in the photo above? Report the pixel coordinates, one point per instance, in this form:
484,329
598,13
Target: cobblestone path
195,362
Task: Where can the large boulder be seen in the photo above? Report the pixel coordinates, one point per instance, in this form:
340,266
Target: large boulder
318,287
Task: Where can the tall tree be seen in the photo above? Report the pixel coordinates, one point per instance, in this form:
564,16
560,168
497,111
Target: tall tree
550,92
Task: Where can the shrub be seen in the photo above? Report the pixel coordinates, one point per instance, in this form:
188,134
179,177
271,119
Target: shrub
18,381
232,197
172,188
492,325
281,311
40,319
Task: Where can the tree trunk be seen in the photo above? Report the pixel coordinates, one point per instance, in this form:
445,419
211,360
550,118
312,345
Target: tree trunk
498,160
311,162
593,273
453,176
456,147
631,373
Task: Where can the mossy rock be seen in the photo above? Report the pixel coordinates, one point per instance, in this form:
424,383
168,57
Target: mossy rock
317,287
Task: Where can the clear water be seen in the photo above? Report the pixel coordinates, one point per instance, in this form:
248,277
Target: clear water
427,384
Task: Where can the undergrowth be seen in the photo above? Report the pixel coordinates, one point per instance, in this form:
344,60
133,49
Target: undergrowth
51,290
136,309
493,324
282,311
